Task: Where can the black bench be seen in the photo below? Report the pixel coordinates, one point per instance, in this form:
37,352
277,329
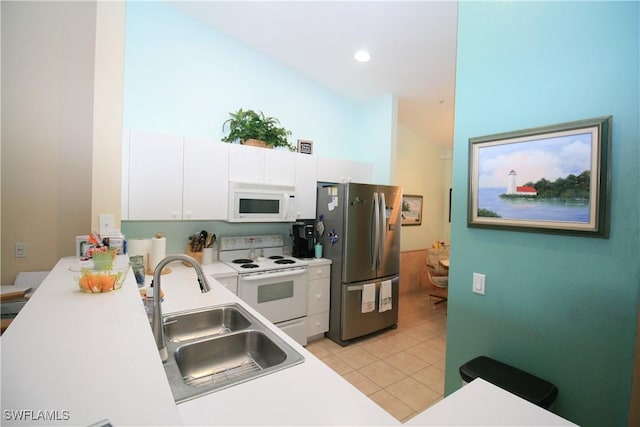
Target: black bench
514,380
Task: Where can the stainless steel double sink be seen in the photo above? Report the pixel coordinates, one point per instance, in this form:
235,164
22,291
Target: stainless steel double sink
217,347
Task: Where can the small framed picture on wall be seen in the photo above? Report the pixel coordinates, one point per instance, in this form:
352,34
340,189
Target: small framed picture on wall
305,147
411,210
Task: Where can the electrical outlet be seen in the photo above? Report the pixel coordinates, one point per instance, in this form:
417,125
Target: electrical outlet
20,250
478,283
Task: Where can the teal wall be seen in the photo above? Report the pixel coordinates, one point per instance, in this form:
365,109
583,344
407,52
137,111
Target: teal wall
561,307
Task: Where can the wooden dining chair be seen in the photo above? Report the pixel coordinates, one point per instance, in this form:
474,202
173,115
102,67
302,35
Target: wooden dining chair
437,275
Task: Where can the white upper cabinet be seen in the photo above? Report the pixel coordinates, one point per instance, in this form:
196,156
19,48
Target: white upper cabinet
260,165
342,171
155,176
279,167
168,177
246,164
305,186
205,185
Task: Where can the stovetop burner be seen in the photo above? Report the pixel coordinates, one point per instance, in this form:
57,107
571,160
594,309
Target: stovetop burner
249,255
249,265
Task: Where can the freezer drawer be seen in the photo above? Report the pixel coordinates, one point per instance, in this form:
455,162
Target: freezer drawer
354,322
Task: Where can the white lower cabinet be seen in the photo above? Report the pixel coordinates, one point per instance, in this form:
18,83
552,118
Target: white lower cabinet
318,300
317,325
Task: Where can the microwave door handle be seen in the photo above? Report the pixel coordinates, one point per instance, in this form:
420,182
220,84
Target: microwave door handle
285,211
259,276
290,207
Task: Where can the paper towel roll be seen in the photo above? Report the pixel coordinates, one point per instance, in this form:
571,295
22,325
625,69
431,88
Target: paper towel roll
158,251
139,247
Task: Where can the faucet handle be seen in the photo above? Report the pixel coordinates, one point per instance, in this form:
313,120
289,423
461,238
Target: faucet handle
203,287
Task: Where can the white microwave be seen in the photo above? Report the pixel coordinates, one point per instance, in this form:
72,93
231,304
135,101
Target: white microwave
250,202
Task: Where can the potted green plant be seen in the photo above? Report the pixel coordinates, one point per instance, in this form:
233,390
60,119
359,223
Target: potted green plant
251,128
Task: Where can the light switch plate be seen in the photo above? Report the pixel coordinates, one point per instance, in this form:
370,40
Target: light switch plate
106,223
478,283
20,250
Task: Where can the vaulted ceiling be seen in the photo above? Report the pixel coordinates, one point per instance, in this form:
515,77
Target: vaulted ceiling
412,46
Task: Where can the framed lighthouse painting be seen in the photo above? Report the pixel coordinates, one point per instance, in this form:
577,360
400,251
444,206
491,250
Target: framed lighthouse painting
552,179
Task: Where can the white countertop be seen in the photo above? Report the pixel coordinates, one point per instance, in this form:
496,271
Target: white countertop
71,358
481,403
84,358
90,357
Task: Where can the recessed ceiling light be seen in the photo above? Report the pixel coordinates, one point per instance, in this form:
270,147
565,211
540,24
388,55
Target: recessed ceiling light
362,56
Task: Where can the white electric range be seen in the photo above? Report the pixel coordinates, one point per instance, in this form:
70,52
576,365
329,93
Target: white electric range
272,283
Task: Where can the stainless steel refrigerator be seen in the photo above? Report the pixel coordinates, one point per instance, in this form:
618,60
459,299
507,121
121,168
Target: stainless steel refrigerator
362,238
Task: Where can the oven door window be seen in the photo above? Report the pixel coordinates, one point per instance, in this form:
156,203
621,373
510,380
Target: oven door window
275,291
259,206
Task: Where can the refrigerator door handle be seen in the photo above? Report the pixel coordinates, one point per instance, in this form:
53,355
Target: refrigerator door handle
383,229
375,232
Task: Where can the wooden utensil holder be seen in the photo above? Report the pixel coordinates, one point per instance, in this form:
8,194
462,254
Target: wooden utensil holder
195,255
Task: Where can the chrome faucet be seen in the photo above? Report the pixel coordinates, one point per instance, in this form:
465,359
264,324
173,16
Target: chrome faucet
156,324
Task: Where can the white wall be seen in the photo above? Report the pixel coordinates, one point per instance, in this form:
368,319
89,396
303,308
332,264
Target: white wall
47,108
424,169
107,111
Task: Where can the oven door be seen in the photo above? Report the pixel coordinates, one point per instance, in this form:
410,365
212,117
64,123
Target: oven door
278,296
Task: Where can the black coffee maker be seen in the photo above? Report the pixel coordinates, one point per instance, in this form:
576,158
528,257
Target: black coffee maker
303,238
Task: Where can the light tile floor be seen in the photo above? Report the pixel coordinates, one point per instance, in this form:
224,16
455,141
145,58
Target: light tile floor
402,369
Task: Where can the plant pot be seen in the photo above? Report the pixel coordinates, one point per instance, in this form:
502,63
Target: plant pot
257,143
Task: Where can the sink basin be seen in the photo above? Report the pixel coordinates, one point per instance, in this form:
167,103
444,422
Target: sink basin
223,359
218,347
203,323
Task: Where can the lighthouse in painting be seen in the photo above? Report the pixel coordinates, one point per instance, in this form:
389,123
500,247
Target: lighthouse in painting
514,190
511,185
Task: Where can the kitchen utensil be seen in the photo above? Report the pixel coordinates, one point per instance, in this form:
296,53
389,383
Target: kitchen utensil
202,239
193,242
209,241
